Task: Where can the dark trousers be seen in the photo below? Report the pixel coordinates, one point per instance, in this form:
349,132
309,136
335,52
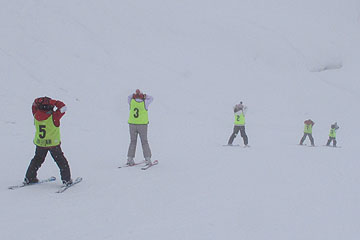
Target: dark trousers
310,137
39,158
236,132
329,141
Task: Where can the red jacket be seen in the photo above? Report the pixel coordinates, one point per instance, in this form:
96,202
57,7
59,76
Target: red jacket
309,122
41,115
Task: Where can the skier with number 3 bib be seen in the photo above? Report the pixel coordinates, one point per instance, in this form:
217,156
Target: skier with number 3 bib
47,138
138,125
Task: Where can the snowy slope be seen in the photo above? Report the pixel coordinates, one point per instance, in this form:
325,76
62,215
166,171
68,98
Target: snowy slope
287,60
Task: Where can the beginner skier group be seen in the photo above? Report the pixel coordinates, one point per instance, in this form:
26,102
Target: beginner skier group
47,113
308,133
239,126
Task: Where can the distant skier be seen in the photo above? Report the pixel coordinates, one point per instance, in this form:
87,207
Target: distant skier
332,134
308,132
138,125
239,124
47,138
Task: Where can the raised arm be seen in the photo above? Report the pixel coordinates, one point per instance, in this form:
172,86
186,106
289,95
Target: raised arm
60,111
148,100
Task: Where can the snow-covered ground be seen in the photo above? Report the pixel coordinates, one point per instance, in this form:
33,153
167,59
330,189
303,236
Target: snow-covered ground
286,60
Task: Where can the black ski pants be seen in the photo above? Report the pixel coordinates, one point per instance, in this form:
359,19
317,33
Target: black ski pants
39,158
329,141
236,132
310,137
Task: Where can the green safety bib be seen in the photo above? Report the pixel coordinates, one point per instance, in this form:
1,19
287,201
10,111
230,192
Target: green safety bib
332,133
308,128
46,134
239,119
138,113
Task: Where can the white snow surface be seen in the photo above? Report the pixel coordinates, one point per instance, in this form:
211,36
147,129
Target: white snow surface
286,60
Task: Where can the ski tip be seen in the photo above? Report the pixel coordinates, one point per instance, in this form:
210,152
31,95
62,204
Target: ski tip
155,162
78,179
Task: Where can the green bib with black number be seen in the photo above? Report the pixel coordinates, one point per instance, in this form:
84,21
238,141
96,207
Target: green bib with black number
138,113
239,119
308,128
332,133
47,134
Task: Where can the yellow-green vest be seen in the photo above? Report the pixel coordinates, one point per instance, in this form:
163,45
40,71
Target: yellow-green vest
308,128
46,134
138,113
239,119
332,133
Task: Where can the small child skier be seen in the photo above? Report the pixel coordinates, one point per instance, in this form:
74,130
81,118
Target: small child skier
308,132
138,125
239,124
332,134
47,138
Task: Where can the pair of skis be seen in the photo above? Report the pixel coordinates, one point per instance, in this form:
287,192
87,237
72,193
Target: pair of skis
236,145
139,163
329,146
50,179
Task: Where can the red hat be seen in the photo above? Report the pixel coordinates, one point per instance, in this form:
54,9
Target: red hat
138,94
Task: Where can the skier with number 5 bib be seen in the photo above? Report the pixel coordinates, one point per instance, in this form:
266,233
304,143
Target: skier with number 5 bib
47,138
138,125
